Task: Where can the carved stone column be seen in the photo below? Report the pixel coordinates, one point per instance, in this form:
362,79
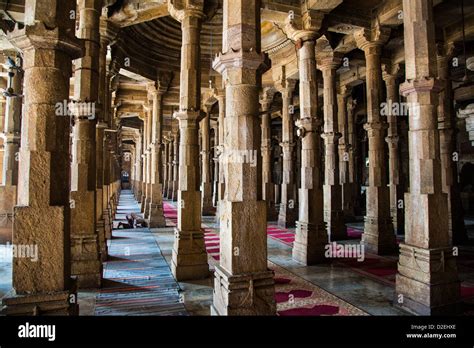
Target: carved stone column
149,151
378,237
220,95
42,217
243,284
328,62
189,253
157,218
268,193
86,259
175,182
139,166
108,33
311,236
395,170
206,183
166,148
345,147
215,159
12,128
144,156
352,149
449,175
288,206
427,281
171,149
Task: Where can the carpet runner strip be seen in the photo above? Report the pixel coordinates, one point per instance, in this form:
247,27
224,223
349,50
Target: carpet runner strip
137,278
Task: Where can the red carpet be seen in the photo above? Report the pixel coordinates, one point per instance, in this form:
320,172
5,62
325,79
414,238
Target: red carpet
375,267
211,239
297,297
171,214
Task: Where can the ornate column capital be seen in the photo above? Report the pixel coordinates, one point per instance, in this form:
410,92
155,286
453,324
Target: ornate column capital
180,9
305,28
266,98
367,39
344,91
326,55
109,31
390,72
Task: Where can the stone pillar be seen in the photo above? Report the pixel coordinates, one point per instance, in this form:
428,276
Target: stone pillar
206,183
171,149
288,206
149,152
139,171
427,281
221,121
345,148
311,236
394,168
12,128
243,284
449,175
328,62
378,236
42,217
175,181
144,158
86,259
352,151
268,193
189,252
165,166
215,176
156,217
108,32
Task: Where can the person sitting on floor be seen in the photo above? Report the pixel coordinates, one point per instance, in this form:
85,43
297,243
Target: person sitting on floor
139,221
130,223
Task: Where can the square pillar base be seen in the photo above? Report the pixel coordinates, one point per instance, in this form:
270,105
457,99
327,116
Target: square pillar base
310,244
427,281
61,303
244,294
189,260
85,265
156,217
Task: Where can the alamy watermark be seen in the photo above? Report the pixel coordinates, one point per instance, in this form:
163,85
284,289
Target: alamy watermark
240,156
400,109
78,109
345,251
17,251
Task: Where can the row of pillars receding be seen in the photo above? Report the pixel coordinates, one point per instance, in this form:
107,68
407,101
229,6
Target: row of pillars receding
427,278
243,284
64,186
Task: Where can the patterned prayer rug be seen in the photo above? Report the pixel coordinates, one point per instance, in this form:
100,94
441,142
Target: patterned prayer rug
298,297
